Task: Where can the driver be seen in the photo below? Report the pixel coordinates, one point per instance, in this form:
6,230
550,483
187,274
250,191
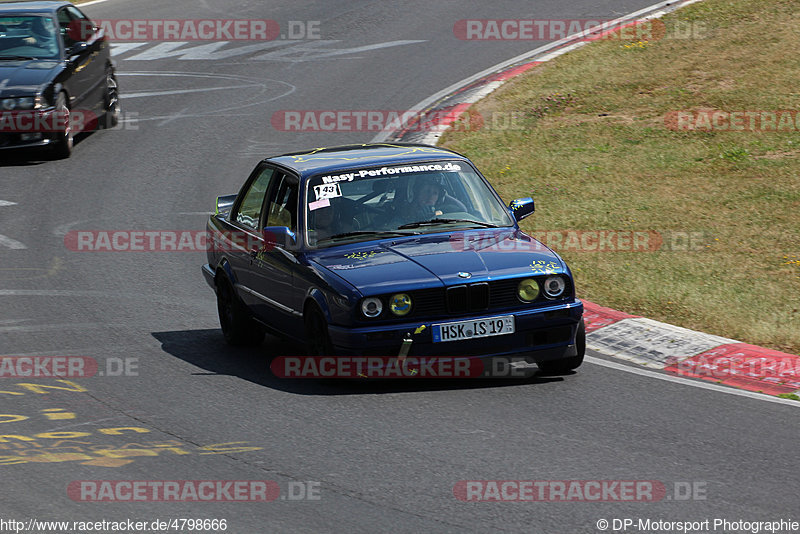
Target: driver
431,200
426,197
42,35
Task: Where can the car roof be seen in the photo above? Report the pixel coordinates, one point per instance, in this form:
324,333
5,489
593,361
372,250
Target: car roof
31,7
338,158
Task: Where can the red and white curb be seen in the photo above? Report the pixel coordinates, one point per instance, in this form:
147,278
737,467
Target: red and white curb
688,353
651,344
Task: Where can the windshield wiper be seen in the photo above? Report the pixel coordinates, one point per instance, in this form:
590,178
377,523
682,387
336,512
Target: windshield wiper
446,221
14,58
368,232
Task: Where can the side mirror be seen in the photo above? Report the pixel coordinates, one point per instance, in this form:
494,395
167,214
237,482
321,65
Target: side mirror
279,236
224,204
521,208
78,48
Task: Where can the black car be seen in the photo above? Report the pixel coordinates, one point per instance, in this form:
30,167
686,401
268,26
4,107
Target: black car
57,77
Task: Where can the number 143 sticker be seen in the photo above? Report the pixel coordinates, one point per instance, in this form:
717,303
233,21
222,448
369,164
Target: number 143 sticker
324,191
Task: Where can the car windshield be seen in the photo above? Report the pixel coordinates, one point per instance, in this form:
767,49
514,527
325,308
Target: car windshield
28,37
376,202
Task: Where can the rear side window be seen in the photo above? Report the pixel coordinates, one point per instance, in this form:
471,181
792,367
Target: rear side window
249,211
283,203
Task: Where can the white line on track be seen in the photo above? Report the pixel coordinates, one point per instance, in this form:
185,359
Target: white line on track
65,326
184,91
82,4
13,244
689,382
6,241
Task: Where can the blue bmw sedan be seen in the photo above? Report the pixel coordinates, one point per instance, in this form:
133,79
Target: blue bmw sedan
389,249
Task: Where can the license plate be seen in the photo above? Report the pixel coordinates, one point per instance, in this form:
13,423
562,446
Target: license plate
473,328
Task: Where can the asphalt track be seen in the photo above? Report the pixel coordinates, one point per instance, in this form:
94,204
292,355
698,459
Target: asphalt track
386,455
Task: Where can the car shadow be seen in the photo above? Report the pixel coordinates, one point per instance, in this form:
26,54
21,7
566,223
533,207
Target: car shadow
28,157
207,349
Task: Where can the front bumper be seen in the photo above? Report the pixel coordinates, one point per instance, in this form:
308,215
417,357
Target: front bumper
13,141
29,128
541,334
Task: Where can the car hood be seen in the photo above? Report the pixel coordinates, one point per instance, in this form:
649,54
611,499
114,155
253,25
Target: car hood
435,260
25,77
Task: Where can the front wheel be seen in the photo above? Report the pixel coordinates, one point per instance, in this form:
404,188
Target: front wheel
318,342
237,326
566,365
62,148
111,102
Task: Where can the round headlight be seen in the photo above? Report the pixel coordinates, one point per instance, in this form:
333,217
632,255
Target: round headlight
372,307
554,286
400,304
528,290
9,104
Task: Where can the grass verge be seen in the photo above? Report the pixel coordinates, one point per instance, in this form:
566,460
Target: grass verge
593,140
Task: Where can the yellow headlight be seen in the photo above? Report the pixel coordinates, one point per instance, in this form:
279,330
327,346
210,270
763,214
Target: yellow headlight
528,290
400,304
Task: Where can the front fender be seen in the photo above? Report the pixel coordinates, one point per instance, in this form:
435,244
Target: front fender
318,296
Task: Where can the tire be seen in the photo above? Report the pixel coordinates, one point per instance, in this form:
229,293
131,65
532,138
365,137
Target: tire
111,102
318,341
237,326
64,143
566,365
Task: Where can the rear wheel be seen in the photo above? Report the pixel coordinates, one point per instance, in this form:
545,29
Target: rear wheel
565,365
318,341
62,148
237,326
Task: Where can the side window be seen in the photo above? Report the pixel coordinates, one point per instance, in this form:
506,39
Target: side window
282,210
75,26
64,21
249,211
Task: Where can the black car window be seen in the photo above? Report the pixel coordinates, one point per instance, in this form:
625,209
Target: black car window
248,212
32,36
64,20
75,26
282,209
